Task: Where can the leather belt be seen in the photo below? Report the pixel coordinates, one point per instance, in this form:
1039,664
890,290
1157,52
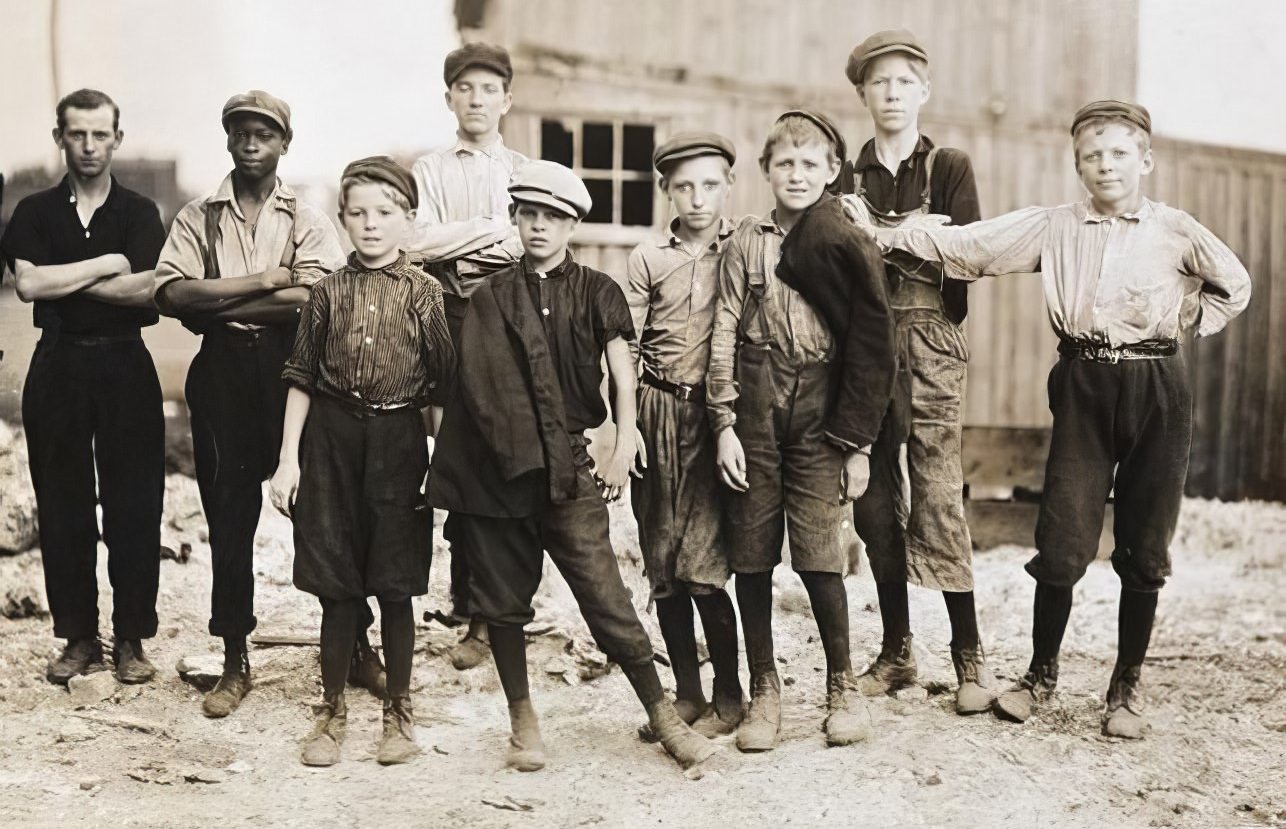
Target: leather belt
92,339
684,391
1102,353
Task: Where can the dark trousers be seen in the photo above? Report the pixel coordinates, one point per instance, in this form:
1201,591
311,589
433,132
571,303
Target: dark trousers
506,560
1126,427
90,408
237,400
455,308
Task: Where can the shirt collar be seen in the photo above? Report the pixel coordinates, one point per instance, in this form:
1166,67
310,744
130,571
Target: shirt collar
558,270
1089,216
283,195
112,202
768,224
492,150
396,268
868,157
671,239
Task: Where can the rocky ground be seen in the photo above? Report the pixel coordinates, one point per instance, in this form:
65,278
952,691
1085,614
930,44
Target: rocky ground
109,755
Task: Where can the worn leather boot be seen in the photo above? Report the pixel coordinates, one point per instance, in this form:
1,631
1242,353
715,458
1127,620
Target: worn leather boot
847,720
397,745
132,666
1035,688
322,746
526,748
366,670
688,710
758,731
75,659
686,746
724,714
891,671
973,696
1122,716
232,686
473,648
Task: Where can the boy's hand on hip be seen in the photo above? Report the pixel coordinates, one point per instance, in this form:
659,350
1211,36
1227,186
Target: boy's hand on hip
732,460
856,476
640,455
283,488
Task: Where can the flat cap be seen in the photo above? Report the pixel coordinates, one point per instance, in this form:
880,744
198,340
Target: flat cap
690,145
258,102
553,185
1119,110
882,43
486,55
386,170
826,125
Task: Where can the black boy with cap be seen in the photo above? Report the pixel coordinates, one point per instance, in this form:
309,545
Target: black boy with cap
83,252
898,177
1125,280
236,269
671,289
371,351
513,466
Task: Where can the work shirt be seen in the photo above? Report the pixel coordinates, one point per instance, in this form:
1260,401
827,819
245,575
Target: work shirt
1145,275
671,292
243,249
376,337
757,308
464,211
45,229
581,310
952,192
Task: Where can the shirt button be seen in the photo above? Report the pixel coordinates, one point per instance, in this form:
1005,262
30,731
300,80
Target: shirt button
86,234
433,384
368,340
372,307
544,311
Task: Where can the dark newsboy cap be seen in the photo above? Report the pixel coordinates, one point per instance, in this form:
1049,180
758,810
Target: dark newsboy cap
258,102
882,43
1122,110
690,145
486,55
384,169
826,125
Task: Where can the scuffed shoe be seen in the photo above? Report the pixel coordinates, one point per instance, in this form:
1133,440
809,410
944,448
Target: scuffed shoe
322,746
1034,689
758,730
688,710
720,719
366,670
526,748
231,688
473,649
847,720
75,659
397,745
132,666
1121,714
973,696
892,670
686,746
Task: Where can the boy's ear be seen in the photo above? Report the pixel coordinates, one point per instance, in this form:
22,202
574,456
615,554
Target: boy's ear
410,215
732,178
835,168
861,93
1148,164
928,87
58,136
509,102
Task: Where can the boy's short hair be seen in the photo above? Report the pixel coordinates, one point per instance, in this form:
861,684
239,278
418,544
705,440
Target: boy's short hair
802,127
352,180
87,99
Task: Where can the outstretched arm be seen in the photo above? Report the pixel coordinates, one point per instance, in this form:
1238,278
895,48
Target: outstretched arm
1010,243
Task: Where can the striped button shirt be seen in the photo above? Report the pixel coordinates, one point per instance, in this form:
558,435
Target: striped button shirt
374,337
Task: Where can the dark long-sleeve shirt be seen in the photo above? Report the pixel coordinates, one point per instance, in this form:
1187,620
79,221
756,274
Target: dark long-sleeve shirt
374,337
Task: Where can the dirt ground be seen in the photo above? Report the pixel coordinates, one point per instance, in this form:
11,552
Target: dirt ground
145,756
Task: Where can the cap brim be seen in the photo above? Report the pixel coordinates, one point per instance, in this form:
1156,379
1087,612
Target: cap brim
490,66
694,152
267,113
546,200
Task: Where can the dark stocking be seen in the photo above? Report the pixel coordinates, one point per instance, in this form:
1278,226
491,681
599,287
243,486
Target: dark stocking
964,620
397,630
1138,609
647,685
509,650
754,598
895,613
719,621
1052,608
675,615
830,609
340,618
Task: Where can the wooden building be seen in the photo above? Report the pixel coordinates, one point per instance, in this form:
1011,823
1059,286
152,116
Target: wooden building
600,82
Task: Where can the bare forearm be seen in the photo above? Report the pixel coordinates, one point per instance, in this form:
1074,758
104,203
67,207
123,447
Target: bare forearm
132,290
208,296
274,308
54,281
621,366
298,402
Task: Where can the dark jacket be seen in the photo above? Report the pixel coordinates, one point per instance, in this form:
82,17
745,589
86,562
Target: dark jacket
838,270
503,449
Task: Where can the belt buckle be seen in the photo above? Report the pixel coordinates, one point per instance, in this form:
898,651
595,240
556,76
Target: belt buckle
1107,354
683,391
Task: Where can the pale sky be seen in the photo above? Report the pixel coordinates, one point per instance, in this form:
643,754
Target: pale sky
365,77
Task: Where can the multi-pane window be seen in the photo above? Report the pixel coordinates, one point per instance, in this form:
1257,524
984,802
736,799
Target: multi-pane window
613,157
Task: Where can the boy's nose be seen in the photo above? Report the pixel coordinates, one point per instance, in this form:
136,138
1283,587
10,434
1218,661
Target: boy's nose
697,199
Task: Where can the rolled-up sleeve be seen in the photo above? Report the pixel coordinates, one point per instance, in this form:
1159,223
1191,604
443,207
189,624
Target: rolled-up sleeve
436,348
638,295
317,249
1225,283
721,387
304,366
181,256
1011,243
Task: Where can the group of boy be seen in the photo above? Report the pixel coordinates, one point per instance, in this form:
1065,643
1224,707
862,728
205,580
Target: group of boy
763,373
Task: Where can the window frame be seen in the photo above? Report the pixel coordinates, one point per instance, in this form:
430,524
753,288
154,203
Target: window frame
574,123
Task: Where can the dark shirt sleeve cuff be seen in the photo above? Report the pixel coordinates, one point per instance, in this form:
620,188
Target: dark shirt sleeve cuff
856,443
298,377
